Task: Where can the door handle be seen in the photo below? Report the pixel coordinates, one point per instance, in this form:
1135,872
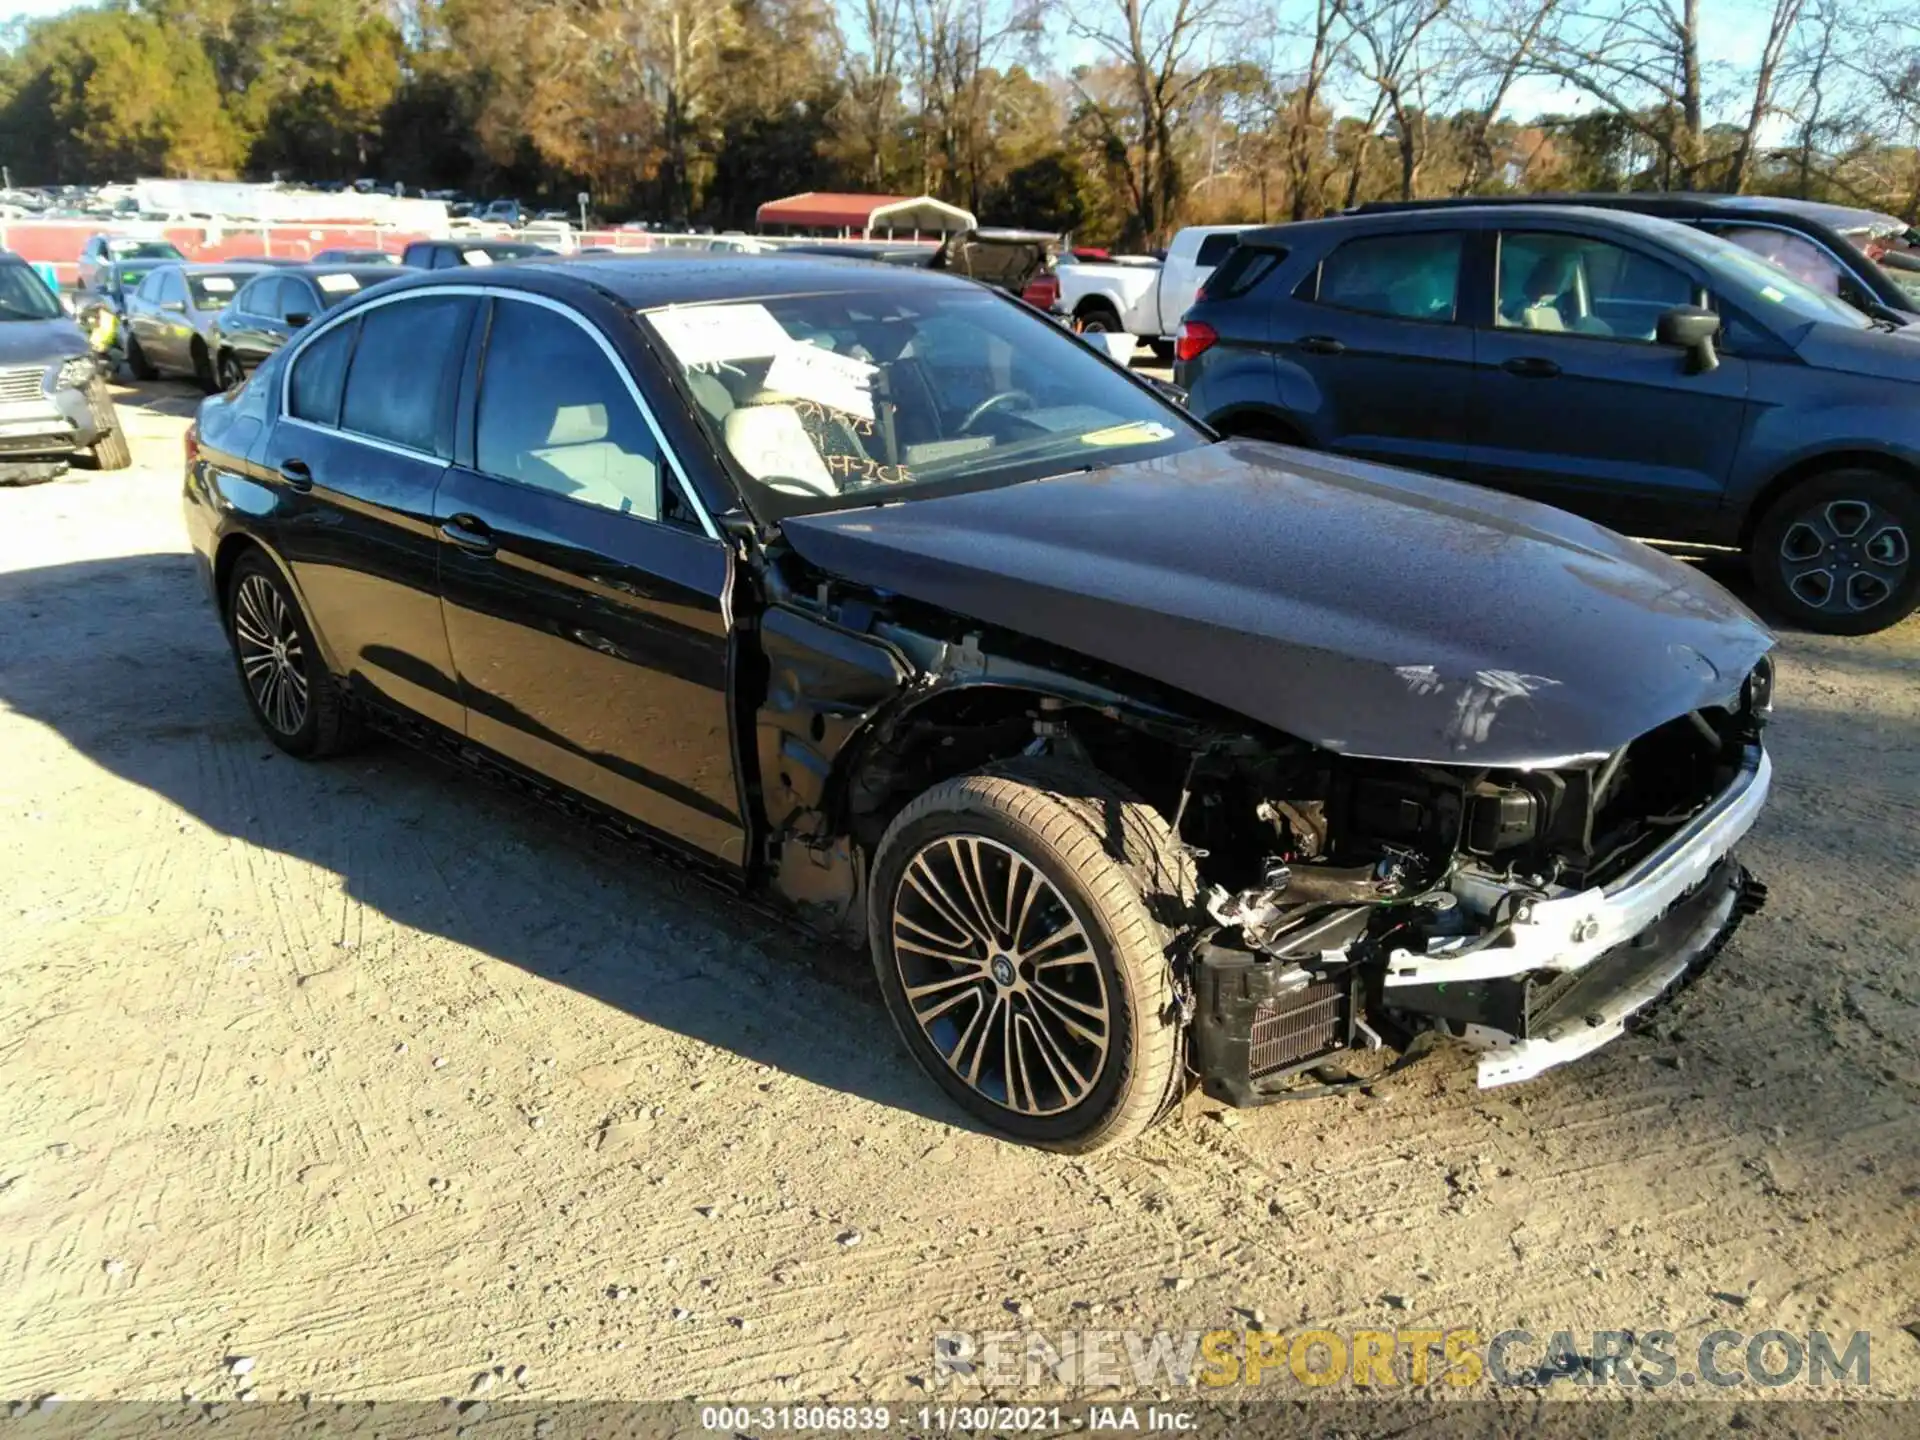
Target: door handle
1320,345
470,533
1531,367
296,474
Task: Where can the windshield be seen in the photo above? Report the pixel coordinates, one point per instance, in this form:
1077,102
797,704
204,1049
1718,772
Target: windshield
24,295
1778,295
212,292
871,395
143,250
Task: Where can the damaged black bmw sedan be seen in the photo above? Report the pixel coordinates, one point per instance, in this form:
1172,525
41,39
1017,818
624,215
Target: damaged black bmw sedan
1137,757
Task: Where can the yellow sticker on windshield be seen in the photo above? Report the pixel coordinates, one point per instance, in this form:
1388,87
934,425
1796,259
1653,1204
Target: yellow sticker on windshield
1140,432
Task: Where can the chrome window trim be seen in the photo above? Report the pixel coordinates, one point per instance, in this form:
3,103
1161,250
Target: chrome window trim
545,302
341,433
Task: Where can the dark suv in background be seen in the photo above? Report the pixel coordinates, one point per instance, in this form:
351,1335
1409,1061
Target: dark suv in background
1830,247
1640,372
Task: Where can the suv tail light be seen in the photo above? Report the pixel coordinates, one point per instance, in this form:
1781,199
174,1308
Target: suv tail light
1195,336
192,443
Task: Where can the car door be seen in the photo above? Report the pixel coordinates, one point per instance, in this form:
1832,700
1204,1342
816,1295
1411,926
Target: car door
140,310
1578,404
243,323
1377,329
361,443
171,331
585,596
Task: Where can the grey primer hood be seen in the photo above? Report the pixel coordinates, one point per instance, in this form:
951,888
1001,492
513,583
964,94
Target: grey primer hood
1371,611
39,342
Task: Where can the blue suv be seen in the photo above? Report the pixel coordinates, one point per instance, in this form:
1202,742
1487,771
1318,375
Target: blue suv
1657,379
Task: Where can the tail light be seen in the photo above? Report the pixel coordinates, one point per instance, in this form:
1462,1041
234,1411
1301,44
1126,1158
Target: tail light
1195,337
1042,291
192,443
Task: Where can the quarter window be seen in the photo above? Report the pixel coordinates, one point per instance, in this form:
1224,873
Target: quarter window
1215,248
314,387
1576,285
556,415
405,372
1406,277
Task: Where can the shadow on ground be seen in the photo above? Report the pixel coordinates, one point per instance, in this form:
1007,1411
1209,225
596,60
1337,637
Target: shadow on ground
125,660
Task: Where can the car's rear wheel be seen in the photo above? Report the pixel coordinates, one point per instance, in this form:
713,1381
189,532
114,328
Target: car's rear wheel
227,371
287,684
1098,319
1835,553
137,361
1020,921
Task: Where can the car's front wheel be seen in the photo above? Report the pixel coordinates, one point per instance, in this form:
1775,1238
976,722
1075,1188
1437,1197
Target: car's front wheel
287,684
227,372
137,360
1835,553
1020,920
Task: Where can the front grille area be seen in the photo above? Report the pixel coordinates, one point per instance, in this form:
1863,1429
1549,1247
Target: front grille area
1297,1027
22,382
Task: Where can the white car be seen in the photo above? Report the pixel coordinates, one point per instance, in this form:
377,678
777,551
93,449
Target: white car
1141,296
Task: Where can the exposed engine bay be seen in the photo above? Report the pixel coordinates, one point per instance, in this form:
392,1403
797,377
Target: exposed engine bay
1343,902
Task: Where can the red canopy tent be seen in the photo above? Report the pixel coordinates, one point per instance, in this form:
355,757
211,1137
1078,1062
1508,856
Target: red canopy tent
864,216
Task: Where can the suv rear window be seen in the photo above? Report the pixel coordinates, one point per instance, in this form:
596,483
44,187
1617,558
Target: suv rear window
1245,267
1404,277
1215,248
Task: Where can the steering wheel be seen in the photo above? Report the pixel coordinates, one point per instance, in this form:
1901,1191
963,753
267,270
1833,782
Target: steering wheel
990,404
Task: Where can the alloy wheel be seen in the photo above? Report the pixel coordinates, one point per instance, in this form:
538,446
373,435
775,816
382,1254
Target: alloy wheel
1844,556
229,372
272,655
1000,973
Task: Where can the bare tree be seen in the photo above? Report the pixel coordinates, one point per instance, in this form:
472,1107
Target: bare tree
1162,46
873,83
1780,30
1496,43
1642,62
1327,36
1389,55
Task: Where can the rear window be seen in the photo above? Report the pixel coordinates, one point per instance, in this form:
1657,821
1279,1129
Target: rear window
1215,248
214,292
1245,267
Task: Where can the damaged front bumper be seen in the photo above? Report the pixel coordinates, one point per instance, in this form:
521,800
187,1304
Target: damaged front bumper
1559,979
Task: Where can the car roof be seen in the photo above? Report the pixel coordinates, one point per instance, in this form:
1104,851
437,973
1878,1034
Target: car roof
216,267
1691,204
678,277
1439,215
372,274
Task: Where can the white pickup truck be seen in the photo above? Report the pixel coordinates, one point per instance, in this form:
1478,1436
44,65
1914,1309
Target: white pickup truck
1141,296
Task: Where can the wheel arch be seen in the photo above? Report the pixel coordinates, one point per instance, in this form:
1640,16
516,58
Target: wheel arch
1809,466
235,546
1096,302
1259,422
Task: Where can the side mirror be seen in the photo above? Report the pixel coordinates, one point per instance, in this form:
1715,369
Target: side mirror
1693,329
298,318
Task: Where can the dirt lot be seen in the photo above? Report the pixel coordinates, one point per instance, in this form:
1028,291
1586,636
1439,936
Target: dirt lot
383,1079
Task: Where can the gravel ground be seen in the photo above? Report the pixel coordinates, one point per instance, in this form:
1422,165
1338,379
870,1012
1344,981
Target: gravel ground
385,1080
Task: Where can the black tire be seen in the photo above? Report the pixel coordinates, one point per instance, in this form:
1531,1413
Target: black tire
110,451
1114,871
1162,350
203,367
227,372
261,609
137,361
1835,554
1098,318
